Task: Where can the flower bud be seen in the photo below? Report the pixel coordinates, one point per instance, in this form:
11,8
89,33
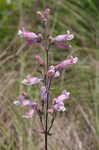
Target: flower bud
51,73
47,11
24,94
41,16
40,60
51,110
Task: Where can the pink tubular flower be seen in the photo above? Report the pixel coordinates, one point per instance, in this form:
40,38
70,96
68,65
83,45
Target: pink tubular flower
30,35
28,103
62,97
67,62
24,102
58,104
40,60
62,45
31,80
47,11
62,37
30,113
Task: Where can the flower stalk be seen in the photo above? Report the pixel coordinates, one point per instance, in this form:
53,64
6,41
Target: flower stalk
47,109
47,85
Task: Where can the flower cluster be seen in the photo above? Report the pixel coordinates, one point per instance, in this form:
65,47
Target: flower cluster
23,101
58,103
44,15
63,37
50,72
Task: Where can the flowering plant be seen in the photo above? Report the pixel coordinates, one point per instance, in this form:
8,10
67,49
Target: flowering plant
50,72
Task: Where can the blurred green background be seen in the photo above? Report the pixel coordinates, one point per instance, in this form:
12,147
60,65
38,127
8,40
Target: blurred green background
78,127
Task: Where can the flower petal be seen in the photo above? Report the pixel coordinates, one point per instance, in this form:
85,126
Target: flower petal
62,45
30,113
31,80
62,37
67,62
28,103
31,41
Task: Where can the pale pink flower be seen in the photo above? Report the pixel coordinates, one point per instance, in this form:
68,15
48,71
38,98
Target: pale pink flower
40,60
58,104
62,37
67,62
47,11
31,80
24,102
30,113
28,103
62,97
30,35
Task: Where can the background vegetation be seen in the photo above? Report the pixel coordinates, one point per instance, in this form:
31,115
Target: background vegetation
78,128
